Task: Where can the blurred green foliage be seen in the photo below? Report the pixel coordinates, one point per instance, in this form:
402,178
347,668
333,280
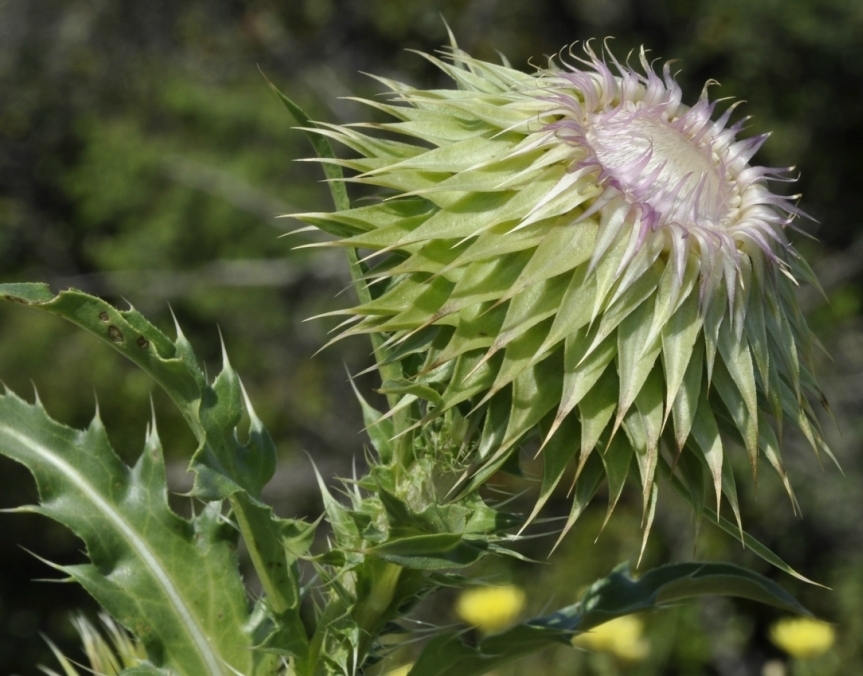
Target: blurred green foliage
143,158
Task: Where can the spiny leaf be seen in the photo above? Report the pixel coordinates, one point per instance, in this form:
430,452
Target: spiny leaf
745,538
224,467
379,429
614,596
173,582
431,551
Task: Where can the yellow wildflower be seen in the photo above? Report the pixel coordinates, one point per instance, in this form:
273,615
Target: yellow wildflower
490,609
802,637
621,637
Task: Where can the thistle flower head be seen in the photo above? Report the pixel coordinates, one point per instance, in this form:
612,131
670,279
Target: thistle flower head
577,251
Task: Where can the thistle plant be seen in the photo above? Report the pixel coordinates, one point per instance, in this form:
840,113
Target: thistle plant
577,251
572,255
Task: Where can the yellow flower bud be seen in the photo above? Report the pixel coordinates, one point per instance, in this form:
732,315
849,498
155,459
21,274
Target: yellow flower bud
621,637
802,637
490,609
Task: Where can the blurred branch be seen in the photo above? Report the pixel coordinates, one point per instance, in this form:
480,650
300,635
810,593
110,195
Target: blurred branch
332,90
171,284
224,185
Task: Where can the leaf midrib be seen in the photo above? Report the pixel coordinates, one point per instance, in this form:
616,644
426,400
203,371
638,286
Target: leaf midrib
148,557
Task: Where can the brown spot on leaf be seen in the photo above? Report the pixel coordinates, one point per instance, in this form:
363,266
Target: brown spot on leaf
103,316
115,334
143,343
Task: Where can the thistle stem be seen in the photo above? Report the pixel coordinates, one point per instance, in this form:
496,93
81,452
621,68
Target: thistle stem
371,614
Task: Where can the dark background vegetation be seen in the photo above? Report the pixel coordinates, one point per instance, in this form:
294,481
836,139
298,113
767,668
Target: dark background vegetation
143,158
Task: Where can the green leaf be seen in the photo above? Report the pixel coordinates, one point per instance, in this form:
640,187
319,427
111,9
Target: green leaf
575,308
404,386
173,582
431,551
640,292
486,280
470,376
26,293
534,393
379,429
770,447
224,467
474,213
619,594
409,212
493,243
477,326
434,257
127,331
732,529
756,334
494,424
611,597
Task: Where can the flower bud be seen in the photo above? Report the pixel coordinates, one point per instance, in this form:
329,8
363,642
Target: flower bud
802,637
490,609
577,251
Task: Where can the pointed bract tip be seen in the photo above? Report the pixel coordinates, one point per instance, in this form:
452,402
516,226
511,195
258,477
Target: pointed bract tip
177,329
254,421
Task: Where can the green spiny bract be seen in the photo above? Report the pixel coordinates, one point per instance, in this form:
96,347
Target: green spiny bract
393,539
575,251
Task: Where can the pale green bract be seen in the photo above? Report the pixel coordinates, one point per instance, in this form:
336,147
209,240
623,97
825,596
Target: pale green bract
577,252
